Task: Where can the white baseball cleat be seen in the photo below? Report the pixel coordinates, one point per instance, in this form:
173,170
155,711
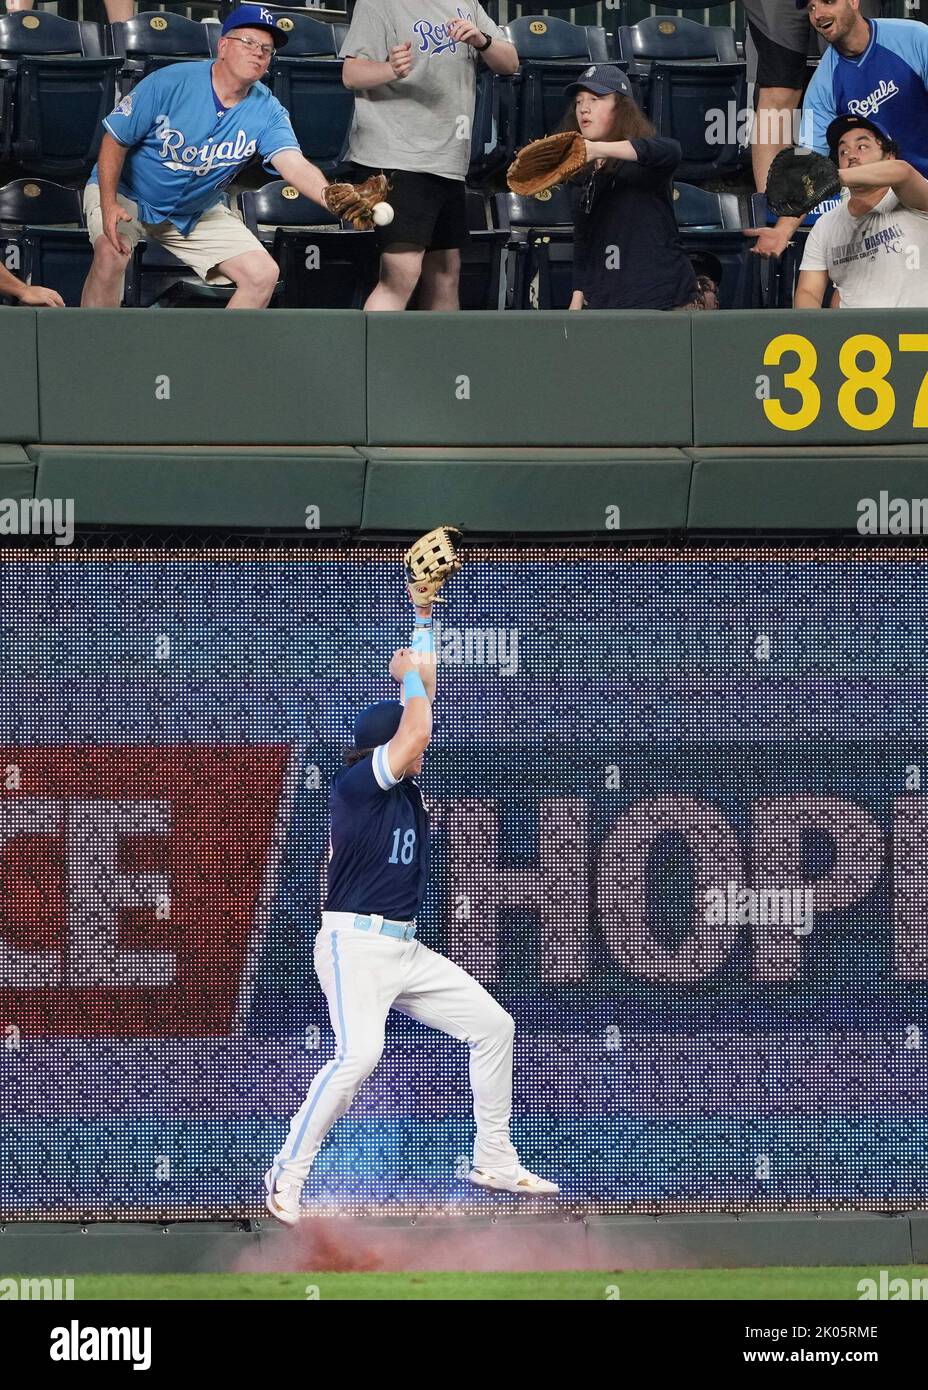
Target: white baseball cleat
523,1182
283,1199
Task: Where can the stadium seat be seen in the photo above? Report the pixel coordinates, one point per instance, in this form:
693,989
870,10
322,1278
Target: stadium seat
690,81
306,78
711,222
539,249
493,140
42,236
154,39
55,89
778,276
322,265
553,53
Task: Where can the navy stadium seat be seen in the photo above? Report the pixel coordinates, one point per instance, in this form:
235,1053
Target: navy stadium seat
779,276
154,39
553,53
691,83
306,78
42,236
55,89
540,248
322,265
711,222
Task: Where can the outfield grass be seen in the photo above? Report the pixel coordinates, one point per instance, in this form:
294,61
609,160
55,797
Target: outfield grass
724,1284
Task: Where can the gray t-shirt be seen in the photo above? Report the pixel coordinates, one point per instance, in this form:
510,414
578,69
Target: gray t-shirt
875,259
422,122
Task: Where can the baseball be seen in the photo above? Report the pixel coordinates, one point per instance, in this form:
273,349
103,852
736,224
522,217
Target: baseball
382,214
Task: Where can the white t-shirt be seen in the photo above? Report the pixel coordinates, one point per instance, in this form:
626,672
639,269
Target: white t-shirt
877,261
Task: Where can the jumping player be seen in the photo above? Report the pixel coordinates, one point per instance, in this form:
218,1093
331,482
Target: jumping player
366,954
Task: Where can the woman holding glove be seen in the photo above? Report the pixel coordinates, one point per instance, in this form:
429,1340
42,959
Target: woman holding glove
627,250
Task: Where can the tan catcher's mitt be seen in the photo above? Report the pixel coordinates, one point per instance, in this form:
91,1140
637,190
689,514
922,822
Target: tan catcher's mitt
355,201
546,163
430,562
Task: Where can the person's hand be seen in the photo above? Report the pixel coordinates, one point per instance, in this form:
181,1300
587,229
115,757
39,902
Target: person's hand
593,150
403,659
425,612
769,241
400,59
112,216
40,297
463,31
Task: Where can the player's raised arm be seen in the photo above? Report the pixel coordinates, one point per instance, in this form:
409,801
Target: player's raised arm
415,731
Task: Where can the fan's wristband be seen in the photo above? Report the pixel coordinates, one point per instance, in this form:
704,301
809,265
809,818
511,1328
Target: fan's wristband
423,637
412,685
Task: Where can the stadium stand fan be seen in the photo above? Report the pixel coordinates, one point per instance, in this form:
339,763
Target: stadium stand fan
684,72
306,78
153,40
553,53
712,222
55,88
43,239
322,265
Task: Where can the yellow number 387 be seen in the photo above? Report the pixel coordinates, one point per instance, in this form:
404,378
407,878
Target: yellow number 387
857,379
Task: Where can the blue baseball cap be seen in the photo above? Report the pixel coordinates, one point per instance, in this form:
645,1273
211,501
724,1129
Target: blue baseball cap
255,17
601,79
377,724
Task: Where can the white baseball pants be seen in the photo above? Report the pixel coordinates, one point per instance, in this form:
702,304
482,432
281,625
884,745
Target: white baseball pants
363,976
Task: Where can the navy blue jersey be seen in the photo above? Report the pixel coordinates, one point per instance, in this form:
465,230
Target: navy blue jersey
379,841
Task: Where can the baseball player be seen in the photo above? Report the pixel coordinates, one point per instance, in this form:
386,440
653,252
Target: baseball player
366,954
171,146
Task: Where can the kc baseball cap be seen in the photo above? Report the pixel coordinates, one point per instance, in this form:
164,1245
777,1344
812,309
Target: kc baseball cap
377,724
601,79
255,17
843,124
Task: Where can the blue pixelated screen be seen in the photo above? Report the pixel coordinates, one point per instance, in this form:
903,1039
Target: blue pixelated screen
679,809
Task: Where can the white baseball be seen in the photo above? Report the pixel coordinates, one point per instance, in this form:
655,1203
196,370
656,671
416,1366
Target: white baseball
382,214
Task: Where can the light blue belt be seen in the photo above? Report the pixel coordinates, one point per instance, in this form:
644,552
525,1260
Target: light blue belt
402,931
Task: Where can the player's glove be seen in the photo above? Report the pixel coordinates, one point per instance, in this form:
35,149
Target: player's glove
545,163
354,202
799,180
430,562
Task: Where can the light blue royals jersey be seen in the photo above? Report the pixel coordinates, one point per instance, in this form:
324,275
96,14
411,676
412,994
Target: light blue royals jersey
184,148
887,83
379,841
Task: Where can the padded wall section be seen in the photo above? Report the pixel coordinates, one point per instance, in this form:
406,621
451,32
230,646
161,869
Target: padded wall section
206,487
552,379
826,489
816,377
19,391
506,490
188,376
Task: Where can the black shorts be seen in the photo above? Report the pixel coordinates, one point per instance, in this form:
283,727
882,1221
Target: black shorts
778,66
429,211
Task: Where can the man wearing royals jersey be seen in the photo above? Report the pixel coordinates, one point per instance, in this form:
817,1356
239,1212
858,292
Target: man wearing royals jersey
366,954
876,68
172,145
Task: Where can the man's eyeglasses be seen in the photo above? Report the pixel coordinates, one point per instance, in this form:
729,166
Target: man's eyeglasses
265,49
